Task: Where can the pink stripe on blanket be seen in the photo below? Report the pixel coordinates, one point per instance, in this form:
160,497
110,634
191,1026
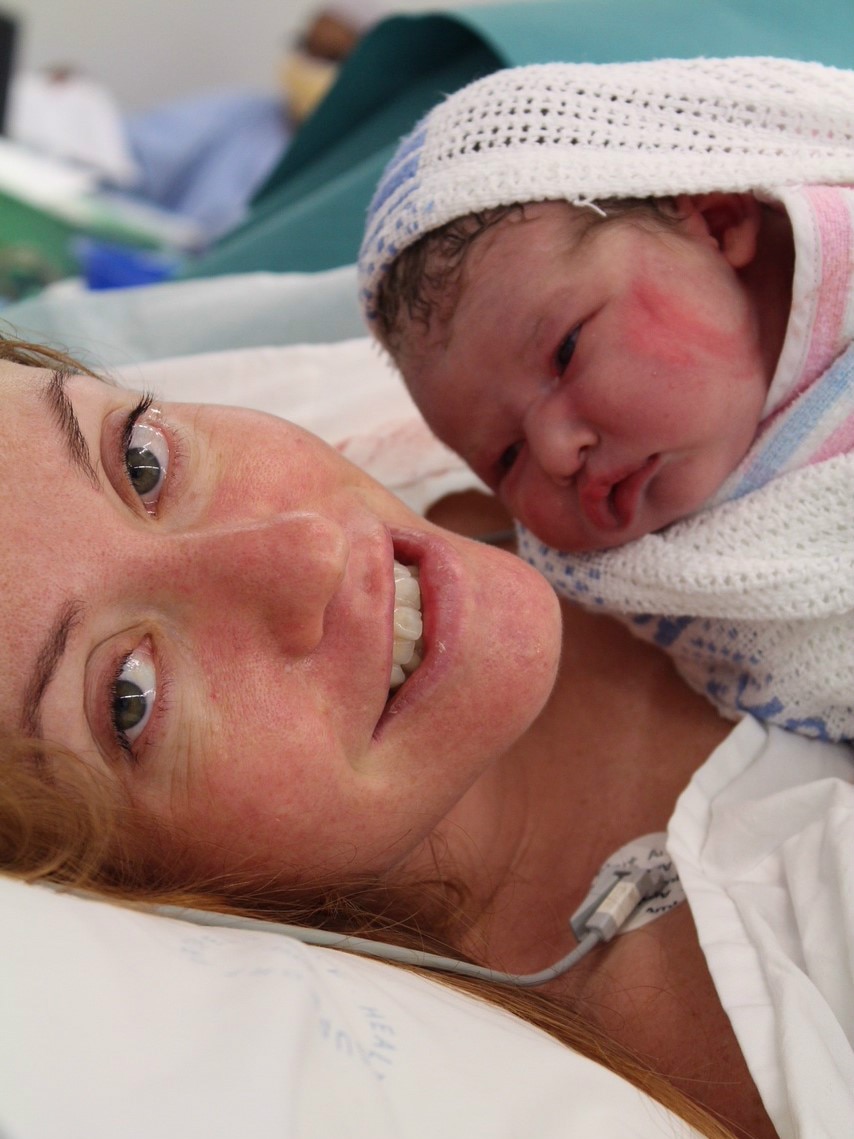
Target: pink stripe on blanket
831,209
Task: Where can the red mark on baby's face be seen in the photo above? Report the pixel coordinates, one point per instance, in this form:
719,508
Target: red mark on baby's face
677,331
661,326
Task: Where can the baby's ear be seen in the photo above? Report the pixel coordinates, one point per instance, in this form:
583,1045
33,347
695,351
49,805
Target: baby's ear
732,221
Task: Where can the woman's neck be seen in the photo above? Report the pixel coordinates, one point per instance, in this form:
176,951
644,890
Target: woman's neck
604,763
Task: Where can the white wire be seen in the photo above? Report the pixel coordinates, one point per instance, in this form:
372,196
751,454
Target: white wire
367,948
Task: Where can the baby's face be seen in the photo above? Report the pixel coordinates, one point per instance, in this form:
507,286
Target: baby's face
602,385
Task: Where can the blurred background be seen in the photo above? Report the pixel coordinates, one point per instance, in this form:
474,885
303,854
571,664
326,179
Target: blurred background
129,126
144,140
147,52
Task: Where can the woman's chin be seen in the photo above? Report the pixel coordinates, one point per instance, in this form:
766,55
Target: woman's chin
522,638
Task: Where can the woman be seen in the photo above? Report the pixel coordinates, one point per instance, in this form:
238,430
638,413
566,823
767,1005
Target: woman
199,604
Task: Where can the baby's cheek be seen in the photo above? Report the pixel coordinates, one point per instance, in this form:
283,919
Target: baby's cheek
661,326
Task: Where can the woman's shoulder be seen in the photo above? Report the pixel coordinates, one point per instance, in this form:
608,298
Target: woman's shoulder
762,838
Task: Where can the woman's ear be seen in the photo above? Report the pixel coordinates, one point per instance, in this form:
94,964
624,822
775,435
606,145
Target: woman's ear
732,221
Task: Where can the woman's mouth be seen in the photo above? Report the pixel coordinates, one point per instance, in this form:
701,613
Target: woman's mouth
408,644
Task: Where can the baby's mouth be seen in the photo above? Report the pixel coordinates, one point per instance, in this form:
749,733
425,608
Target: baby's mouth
610,502
625,494
408,643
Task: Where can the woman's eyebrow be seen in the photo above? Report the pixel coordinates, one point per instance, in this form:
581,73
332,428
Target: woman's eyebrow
47,662
65,417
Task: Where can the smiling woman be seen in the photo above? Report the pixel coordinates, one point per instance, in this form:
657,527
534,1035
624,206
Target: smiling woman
207,616
202,613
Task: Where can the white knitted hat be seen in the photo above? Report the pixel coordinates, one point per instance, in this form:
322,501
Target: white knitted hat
579,132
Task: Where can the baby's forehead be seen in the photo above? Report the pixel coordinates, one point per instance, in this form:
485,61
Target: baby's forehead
460,269
486,248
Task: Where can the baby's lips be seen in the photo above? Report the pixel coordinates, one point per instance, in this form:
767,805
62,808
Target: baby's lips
595,499
609,502
626,493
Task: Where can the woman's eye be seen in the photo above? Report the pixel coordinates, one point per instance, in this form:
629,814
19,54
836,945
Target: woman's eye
565,351
146,459
133,695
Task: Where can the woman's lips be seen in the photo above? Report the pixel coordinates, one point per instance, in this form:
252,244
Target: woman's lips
610,502
439,579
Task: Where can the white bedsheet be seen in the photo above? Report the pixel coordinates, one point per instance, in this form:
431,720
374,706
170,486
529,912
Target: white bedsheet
763,838
118,1024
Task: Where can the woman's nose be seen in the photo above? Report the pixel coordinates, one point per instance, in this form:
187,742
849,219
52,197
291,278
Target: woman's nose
275,576
557,438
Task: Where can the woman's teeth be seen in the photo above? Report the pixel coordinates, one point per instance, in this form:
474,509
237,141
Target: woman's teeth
408,645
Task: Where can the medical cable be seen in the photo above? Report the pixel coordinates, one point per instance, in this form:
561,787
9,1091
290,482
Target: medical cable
599,920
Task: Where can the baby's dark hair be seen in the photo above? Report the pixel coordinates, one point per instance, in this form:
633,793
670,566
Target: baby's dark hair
423,279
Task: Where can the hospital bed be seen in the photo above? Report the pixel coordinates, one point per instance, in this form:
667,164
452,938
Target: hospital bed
119,1022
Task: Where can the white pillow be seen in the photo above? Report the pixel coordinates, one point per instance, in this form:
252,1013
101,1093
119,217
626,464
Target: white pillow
242,310
119,1024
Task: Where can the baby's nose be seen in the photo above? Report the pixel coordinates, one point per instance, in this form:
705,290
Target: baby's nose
557,438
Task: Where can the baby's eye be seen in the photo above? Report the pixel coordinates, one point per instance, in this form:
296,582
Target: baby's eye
133,695
508,457
146,459
565,351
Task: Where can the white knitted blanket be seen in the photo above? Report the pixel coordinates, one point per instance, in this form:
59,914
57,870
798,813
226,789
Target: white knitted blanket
586,131
756,596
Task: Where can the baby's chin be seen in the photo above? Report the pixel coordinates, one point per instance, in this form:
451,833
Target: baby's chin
582,541
653,515
651,500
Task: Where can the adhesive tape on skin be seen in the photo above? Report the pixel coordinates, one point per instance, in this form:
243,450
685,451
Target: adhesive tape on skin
645,853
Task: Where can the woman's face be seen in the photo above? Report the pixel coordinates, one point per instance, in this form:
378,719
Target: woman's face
217,634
